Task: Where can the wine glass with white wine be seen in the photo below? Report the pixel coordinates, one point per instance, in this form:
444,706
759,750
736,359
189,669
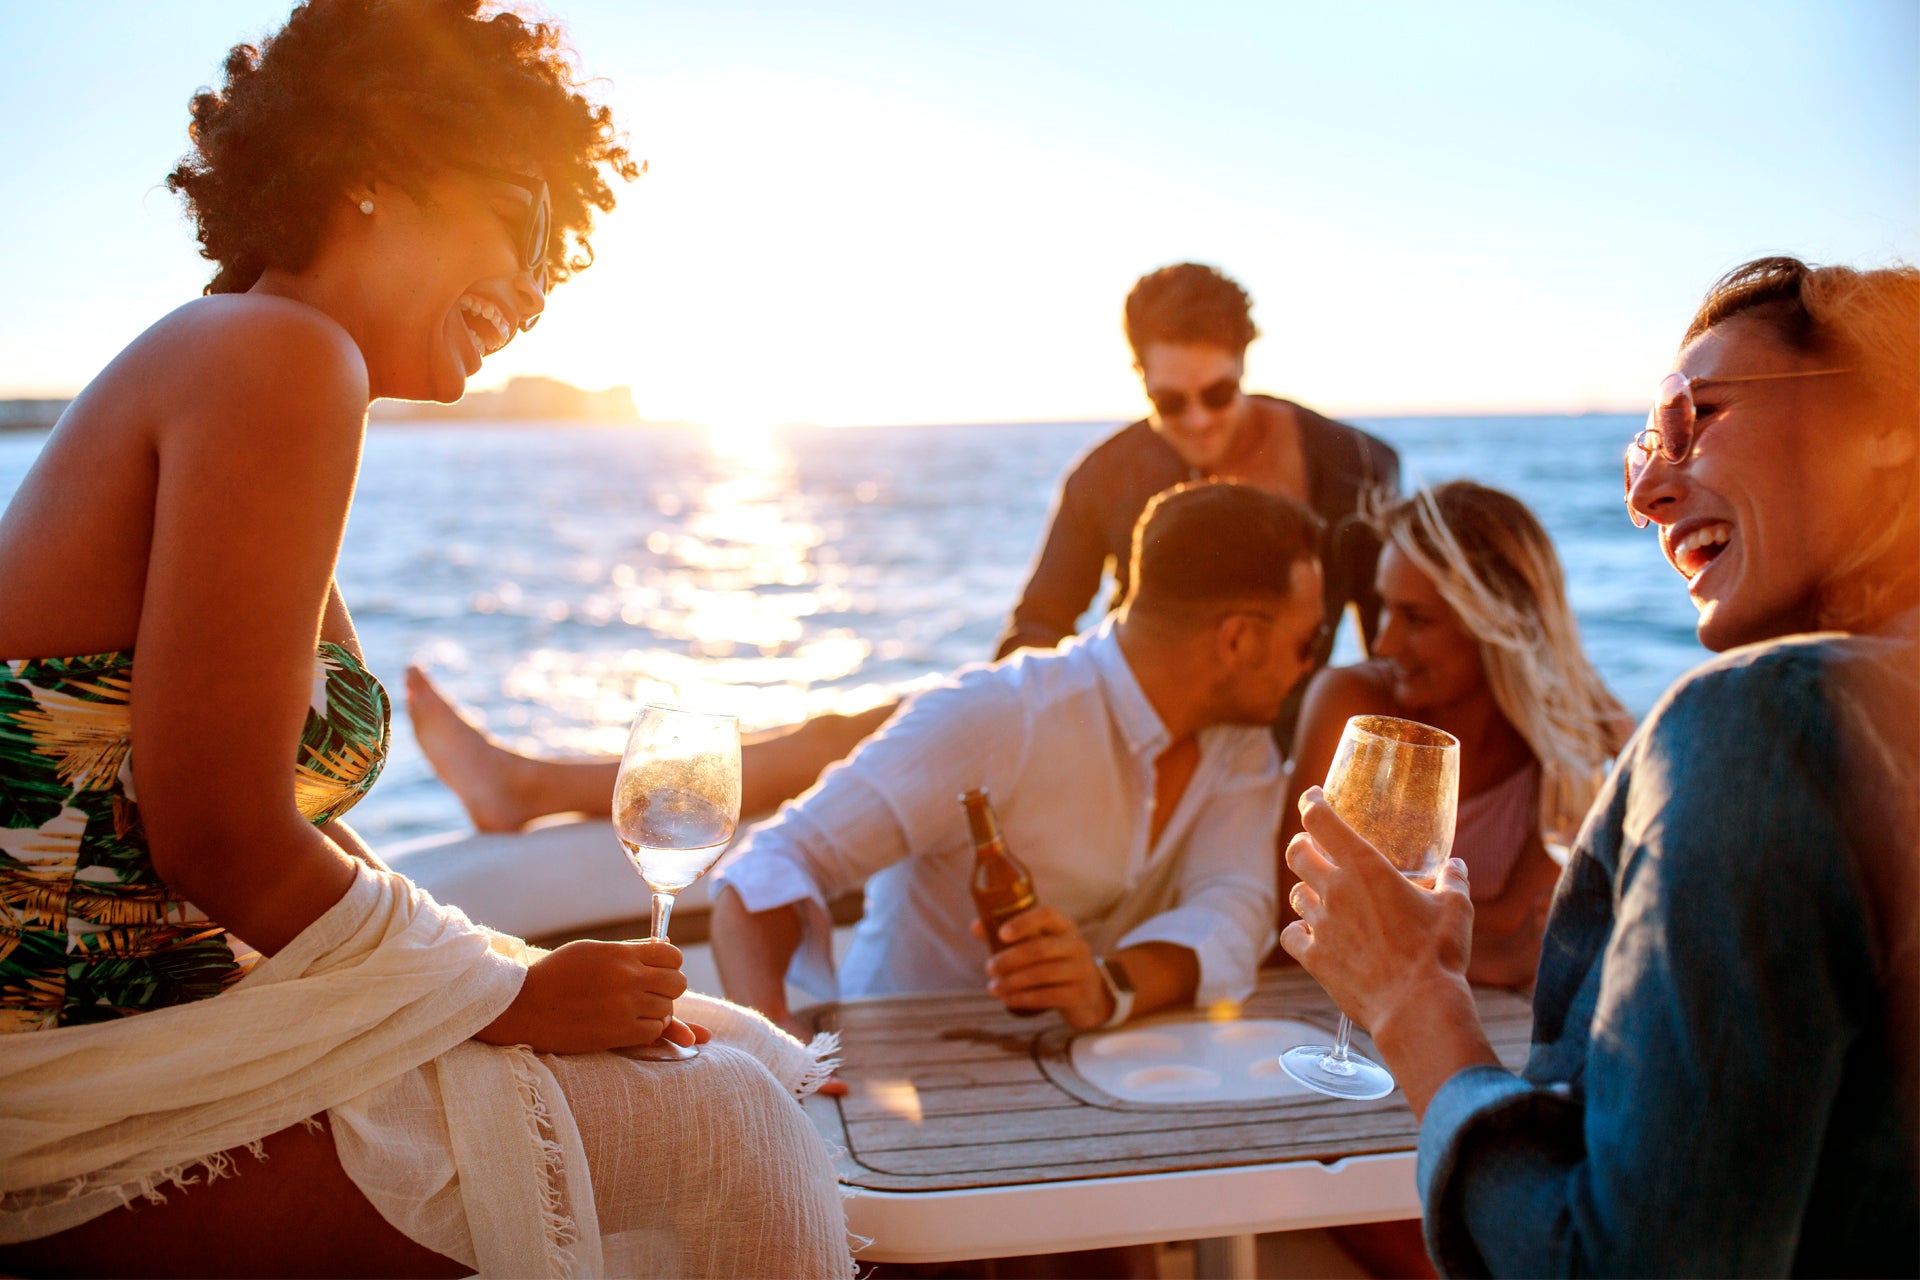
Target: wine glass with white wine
676,802
1397,783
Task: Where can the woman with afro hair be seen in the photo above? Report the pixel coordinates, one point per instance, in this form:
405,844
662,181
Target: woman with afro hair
196,955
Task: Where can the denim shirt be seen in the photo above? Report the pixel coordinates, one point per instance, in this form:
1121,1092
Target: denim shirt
1720,1080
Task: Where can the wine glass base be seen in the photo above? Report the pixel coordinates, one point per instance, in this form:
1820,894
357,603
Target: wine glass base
1356,1079
659,1051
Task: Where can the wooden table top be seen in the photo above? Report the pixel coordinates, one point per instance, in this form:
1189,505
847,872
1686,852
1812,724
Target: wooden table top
951,1091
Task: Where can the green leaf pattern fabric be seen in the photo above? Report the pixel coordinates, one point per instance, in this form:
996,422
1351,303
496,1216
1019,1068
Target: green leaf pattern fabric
88,931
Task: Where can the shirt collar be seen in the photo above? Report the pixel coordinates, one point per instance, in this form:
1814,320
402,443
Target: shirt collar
1139,723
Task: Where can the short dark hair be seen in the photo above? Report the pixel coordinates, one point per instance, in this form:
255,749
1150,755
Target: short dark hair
1189,303
1214,542
396,89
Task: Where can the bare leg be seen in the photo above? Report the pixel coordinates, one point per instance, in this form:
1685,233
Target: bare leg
504,790
501,789
294,1214
779,764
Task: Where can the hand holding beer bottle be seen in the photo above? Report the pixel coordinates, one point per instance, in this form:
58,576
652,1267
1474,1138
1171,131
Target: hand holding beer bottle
1002,886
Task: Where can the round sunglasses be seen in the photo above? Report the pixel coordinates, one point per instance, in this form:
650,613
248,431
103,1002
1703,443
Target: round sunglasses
1673,424
537,230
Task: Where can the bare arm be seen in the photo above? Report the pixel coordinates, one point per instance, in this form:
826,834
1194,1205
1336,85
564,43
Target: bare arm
1066,574
1507,929
348,841
752,950
252,497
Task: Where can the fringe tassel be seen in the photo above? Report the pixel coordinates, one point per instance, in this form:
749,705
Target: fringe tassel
147,1187
562,1232
824,1050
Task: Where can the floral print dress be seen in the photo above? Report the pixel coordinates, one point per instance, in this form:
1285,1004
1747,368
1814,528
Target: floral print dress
88,931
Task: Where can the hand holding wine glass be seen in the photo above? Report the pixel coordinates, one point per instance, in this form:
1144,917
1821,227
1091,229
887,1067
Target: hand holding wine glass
676,802
1396,784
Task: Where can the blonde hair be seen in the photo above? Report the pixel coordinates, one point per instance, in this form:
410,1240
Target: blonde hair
1868,322
1494,565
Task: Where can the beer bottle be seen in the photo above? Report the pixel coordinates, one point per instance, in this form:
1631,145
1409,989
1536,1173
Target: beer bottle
1002,886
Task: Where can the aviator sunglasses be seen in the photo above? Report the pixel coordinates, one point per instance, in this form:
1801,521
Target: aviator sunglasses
1673,425
533,241
1215,396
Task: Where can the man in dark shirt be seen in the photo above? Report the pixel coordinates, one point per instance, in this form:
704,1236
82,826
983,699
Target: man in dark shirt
1189,327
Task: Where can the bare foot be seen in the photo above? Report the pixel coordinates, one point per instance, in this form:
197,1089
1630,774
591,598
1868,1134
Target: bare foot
478,770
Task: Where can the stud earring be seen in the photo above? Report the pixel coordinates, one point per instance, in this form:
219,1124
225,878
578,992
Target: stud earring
366,206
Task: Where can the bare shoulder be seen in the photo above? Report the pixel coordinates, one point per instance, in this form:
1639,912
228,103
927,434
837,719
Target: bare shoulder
1338,693
259,345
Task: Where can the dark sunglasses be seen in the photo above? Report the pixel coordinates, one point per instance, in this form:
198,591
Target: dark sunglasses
539,227
1673,425
1215,396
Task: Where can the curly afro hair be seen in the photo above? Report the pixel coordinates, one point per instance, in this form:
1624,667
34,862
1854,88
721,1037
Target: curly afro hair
396,89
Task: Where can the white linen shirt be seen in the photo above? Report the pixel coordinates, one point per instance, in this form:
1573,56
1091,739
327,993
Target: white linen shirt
1065,742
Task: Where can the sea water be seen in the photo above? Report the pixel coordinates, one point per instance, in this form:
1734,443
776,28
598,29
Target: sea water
555,577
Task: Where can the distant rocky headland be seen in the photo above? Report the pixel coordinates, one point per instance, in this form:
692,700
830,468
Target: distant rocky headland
522,399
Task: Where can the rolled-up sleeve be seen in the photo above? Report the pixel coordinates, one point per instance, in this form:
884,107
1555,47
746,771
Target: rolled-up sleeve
893,796
1224,908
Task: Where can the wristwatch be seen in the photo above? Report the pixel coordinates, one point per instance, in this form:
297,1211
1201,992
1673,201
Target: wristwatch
1119,986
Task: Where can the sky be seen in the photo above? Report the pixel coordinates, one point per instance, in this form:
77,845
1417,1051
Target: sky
870,212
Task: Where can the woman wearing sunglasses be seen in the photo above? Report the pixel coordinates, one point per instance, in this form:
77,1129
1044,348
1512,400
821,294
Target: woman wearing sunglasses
198,959
1722,1078
1475,636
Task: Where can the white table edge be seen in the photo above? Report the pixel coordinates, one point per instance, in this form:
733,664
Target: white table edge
976,1222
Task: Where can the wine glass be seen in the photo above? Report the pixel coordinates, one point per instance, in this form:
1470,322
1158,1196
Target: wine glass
1397,783
676,802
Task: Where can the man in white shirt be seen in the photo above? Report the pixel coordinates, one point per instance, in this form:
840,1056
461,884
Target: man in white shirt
1132,770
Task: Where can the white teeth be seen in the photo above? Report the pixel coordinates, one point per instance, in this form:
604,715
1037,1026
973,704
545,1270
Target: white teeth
1711,535
493,316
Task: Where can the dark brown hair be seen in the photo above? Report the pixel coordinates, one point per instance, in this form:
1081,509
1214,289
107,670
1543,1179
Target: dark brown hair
1868,322
1214,543
1189,303
393,90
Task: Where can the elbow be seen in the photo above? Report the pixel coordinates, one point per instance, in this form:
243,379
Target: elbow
196,849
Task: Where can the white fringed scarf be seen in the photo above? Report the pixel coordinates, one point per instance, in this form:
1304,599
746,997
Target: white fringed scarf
473,1150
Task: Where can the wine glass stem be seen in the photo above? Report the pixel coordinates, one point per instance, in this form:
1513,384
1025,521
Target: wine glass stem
662,908
1337,1060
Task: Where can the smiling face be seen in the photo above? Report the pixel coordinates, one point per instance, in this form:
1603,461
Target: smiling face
1434,660
1765,511
441,282
1205,438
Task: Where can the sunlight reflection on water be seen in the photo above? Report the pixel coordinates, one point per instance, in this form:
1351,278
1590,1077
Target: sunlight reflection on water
556,577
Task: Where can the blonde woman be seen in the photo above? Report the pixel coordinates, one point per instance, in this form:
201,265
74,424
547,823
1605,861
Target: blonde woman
1476,638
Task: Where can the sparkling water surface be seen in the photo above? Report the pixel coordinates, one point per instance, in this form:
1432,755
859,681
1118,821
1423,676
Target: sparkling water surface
555,577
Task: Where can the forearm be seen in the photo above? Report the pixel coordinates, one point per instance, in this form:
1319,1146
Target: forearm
1432,1031
1164,975
264,884
352,845
752,950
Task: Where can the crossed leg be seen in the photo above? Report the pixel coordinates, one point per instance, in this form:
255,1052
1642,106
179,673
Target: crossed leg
504,790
